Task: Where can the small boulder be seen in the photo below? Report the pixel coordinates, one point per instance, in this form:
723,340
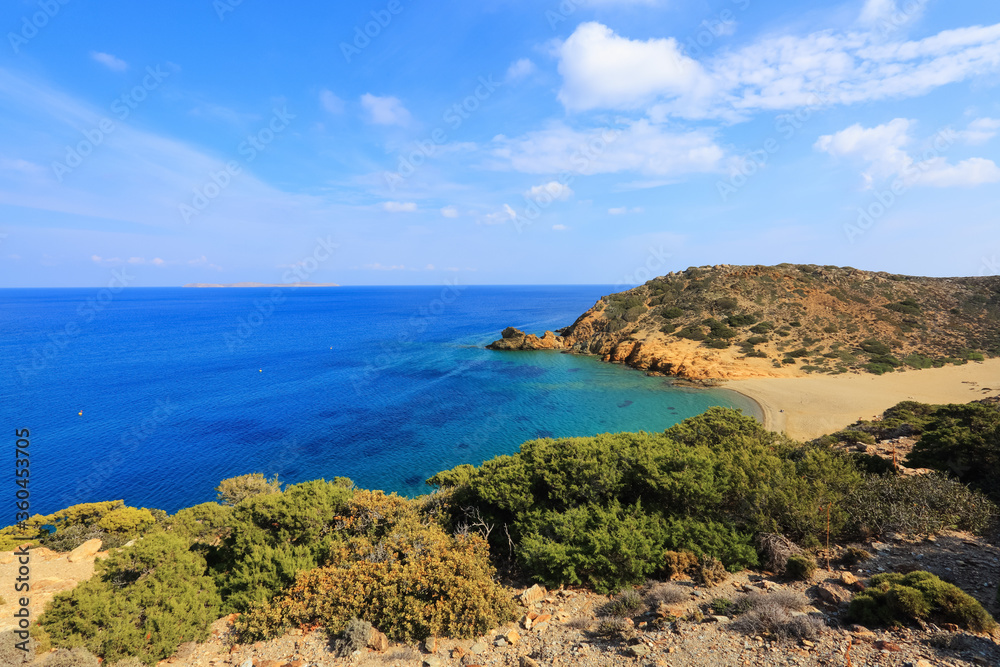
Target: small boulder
532,595
377,641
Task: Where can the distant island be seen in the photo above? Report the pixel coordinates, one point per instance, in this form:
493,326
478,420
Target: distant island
263,285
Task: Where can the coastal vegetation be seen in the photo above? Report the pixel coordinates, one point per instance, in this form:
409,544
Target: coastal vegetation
713,493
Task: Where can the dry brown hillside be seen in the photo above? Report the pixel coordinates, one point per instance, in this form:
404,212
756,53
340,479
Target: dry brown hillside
757,321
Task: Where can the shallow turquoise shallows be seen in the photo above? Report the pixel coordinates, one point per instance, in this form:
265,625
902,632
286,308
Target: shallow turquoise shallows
181,388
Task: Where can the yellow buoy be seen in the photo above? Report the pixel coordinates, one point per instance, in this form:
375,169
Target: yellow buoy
81,413
261,370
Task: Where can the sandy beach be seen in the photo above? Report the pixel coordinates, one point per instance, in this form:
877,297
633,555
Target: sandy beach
811,406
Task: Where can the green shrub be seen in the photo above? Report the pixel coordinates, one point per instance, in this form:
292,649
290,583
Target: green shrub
603,510
69,528
692,333
872,346
800,567
274,536
920,504
127,521
743,320
918,361
143,601
671,312
711,571
762,328
409,578
234,490
677,564
894,599
854,555
668,328
963,440
207,522
721,606
717,344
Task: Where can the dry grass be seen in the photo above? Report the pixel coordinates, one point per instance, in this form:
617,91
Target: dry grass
779,614
660,593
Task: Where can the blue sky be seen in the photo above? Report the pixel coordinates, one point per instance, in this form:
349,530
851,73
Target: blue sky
588,141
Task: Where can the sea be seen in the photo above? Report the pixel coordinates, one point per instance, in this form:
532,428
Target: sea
155,395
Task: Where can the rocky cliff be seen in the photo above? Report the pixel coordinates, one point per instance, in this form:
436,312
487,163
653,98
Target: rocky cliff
731,322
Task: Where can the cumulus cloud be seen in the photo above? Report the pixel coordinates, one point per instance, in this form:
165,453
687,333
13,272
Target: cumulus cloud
884,149
449,212
601,69
111,62
625,210
385,110
560,228
399,207
553,190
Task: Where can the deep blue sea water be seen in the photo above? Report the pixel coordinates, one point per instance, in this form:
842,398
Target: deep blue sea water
181,388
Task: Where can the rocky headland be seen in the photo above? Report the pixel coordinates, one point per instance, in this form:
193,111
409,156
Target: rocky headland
741,322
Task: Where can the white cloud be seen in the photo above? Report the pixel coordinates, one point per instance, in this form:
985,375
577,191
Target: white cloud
553,190
385,110
638,146
884,150
980,131
520,70
603,70
331,102
886,16
560,228
449,212
504,215
111,62
111,261
625,210
399,207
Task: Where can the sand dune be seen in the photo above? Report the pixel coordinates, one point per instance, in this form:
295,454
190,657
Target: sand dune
808,407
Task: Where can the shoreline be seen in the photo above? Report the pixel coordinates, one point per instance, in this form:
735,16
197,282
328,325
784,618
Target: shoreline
810,406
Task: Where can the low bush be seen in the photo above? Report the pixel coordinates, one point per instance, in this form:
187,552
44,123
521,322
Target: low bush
627,603
354,637
894,599
854,555
778,614
774,551
603,510
692,333
918,504
671,312
721,606
110,521
665,593
406,577
677,564
800,567
235,490
963,440
10,654
144,601
76,657
614,627
711,571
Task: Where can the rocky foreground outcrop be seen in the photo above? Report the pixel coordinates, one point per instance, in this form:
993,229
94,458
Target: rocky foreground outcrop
737,322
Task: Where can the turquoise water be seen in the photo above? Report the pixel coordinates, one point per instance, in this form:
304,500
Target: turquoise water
180,388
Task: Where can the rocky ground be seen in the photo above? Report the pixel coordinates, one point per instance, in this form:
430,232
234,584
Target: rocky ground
559,627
